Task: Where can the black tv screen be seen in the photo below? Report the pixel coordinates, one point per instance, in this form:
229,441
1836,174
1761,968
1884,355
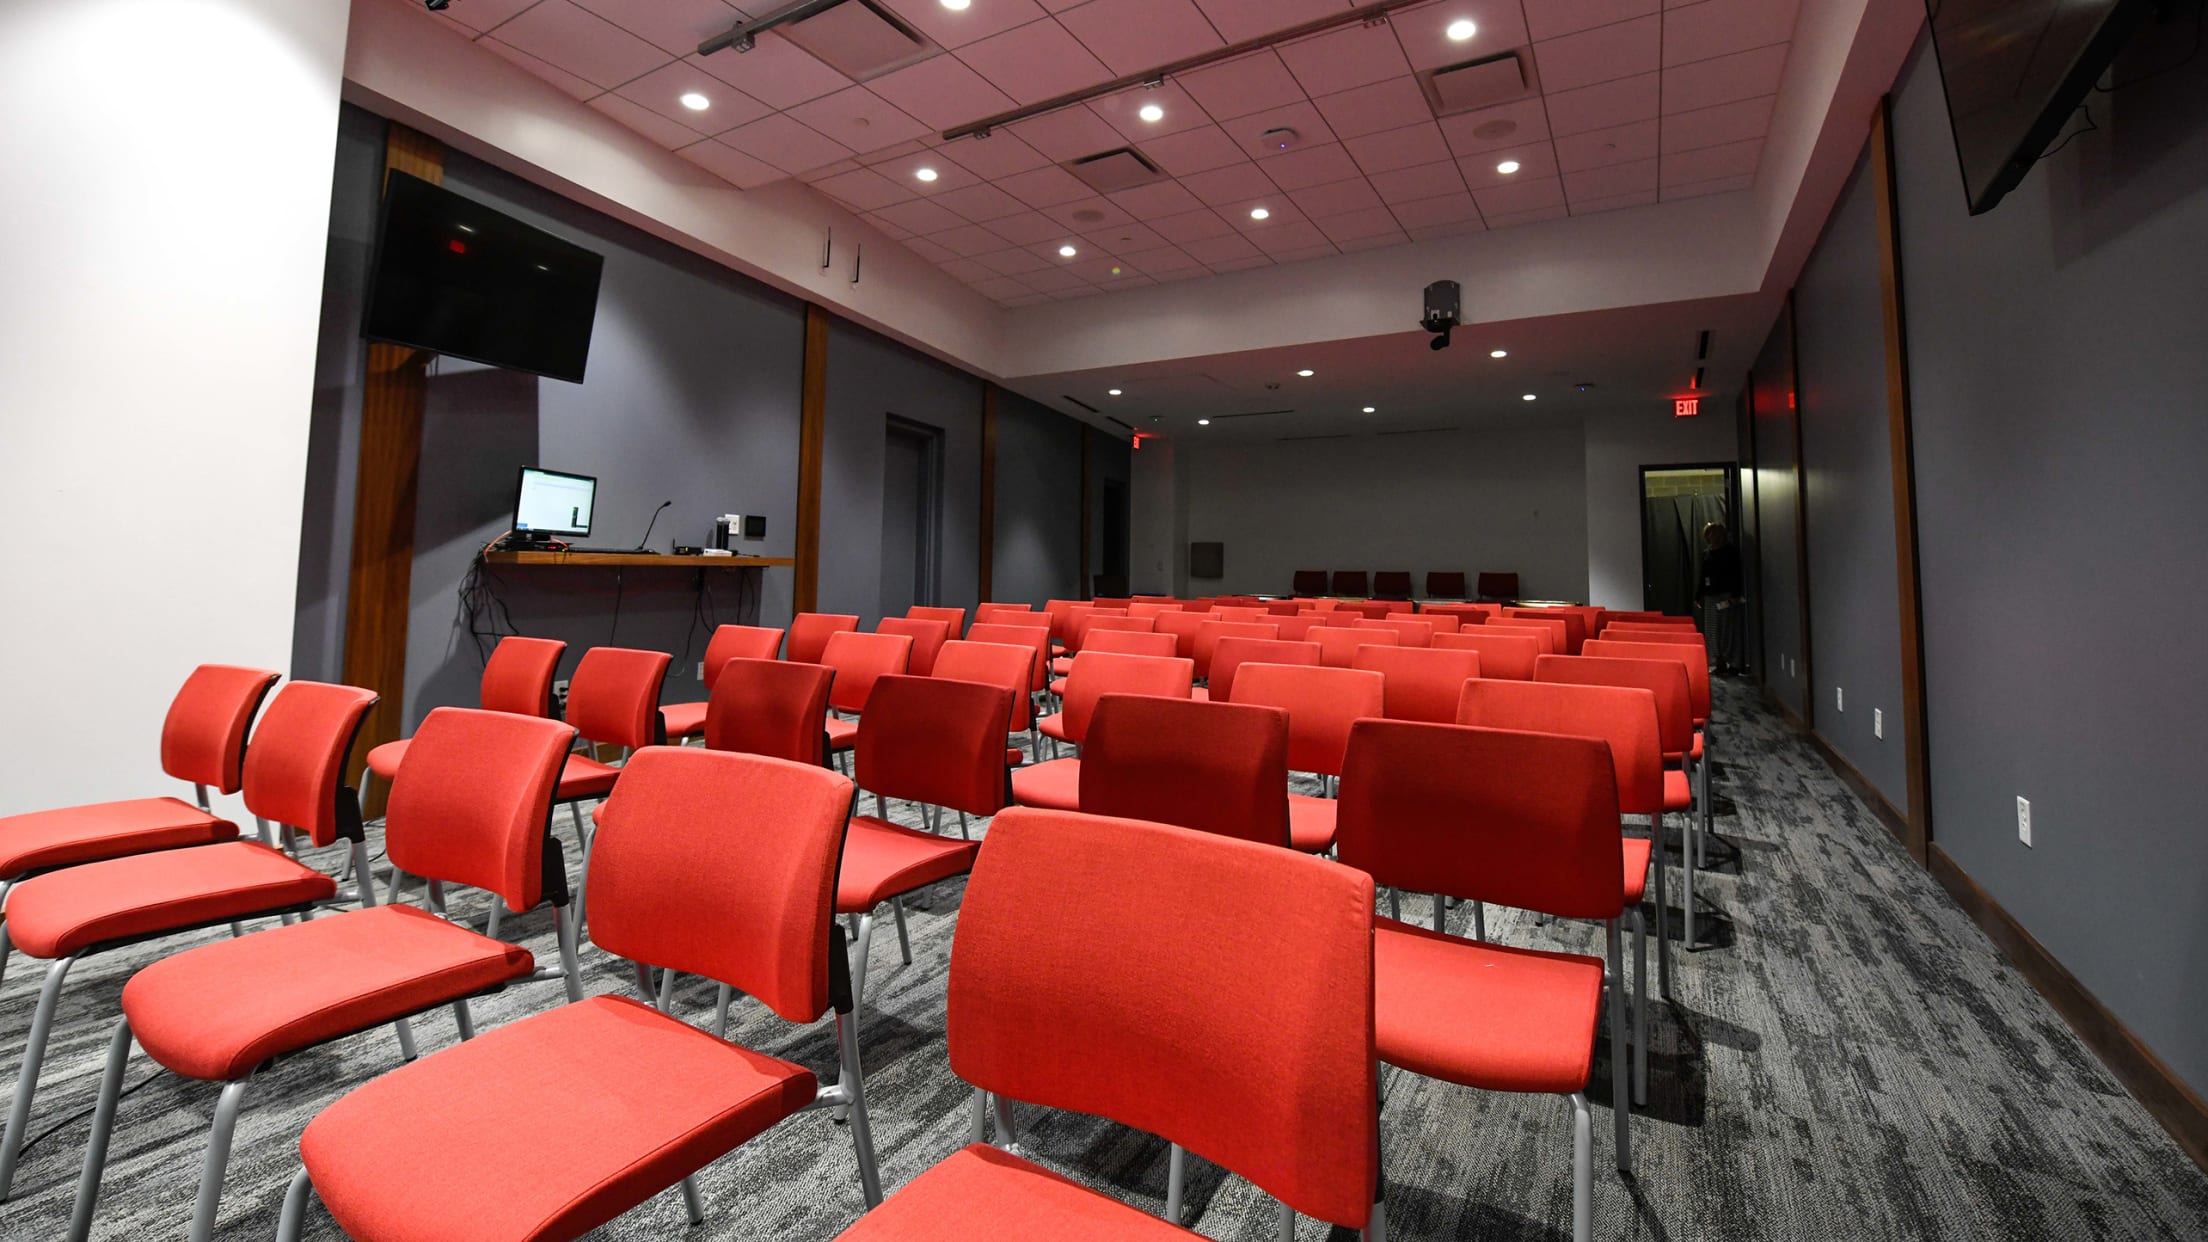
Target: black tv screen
456,277
2015,71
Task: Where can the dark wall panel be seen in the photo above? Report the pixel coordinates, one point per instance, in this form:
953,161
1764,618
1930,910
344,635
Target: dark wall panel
1038,549
1777,490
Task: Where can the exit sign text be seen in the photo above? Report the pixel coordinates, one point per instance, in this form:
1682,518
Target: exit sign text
1686,407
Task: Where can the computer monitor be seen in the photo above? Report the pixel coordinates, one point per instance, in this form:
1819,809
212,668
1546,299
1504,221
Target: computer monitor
550,503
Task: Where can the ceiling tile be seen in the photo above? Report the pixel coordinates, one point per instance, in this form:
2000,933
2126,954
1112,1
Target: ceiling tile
1088,214
1336,198
1124,239
1470,133
859,119
999,155
730,164
921,216
1035,62
1243,85
1226,248
1194,151
1163,259
1235,183
777,73
551,73
1029,300
942,92
1620,101
898,152
1293,237
1721,27
1048,252
1310,166
1428,212
1192,226
1000,287
669,134
1423,31
1102,270
1736,159
969,241
1408,185
1610,181
1699,189
1053,280
674,26
1134,35
1370,109
1535,162
1240,20
1350,226
1518,196
1045,187
1123,111
1601,54
926,248
1346,57
889,228
1012,262
1149,202
1030,229
977,21
1710,127
1242,265
826,171
581,43
1607,146
1723,79
1068,134
1399,148
1279,214
1354,245
863,189
1554,211
485,14
662,90
980,203
1441,231
905,169
1547,19
1249,132
1590,206
786,144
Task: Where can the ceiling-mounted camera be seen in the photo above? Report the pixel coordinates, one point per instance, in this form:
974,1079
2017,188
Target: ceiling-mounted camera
436,6
1444,305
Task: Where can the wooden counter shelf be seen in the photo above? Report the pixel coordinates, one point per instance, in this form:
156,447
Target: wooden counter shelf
635,560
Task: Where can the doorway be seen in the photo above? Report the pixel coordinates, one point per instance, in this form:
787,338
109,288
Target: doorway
1112,582
1677,502
912,515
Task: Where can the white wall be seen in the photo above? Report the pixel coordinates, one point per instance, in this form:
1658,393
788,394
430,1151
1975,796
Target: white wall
1511,499
167,205
1619,443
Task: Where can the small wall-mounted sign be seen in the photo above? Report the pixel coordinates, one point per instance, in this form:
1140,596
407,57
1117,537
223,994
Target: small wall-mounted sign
1686,407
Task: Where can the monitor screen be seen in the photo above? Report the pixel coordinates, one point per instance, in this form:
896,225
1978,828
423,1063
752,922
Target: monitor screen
551,503
458,278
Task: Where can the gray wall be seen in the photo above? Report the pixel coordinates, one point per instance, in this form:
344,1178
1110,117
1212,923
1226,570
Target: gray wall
1750,540
1038,544
2059,379
1778,564
1619,444
1847,458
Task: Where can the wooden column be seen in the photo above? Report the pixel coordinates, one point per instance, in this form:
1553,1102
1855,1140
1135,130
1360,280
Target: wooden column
988,533
394,391
1088,520
1801,511
1917,814
811,436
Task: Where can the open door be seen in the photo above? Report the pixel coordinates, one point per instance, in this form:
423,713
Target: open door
1677,503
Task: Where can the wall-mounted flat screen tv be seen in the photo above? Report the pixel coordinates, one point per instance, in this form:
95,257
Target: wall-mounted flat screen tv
2015,71
456,277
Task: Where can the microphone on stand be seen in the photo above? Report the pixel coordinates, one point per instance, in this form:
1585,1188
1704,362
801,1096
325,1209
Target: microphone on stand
648,527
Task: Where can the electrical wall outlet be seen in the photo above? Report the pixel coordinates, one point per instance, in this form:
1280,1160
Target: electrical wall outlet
1878,723
1839,699
2024,820
701,670
559,691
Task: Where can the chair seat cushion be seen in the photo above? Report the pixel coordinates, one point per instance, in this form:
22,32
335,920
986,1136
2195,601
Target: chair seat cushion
1483,1015
57,914
1061,666
1677,795
983,1192
1201,694
1058,686
384,759
842,734
617,1102
1637,851
882,860
1311,823
585,777
217,1011
82,834
1053,726
683,720
1054,785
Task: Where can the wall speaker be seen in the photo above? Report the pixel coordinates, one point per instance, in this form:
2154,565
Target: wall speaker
1207,560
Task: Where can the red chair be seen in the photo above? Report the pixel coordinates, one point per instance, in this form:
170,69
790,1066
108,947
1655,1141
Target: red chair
1570,629
717,865
202,743
1322,704
772,708
1462,614
1006,614
1419,683
1505,655
517,678
1019,636
1501,587
1152,608
1056,783
1688,651
927,635
1338,645
1184,627
1234,652
859,660
1063,613
1308,582
613,700
1370,609
1098,623
953,619
1241,613
1121,642
810,632
1550,636
1350,582
1521,819
932,741
1254,1052
729,642
1208,636
1445,584
1215,767
1297,629
1411,633
998,664
1443,622
471,806
293,775
1391,584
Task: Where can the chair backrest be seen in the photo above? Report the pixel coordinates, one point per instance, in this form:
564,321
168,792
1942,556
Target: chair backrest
1152,608
928,634
613,698
1421,683
1445,584
1308,582
1689,658
724,865
1551,637
1611,615
809,633
1371,609
1208,636
1275,608
1498,586
1666,679
1233,652
860,660
518,676
1325,604
1003,614
1462,614
1563,624
953,619
738,642
1338,644
770,707
203,734
1522,819
1242,612
1212,766
1298,628
1322,703
1624,717
1036,638
935,740
1062,614
998,664
1350,582
1130,642
1183,626
1098,673
472,804
1417,632
1098,623
1662,629
1258,1057
295,767
1391,583
1509,656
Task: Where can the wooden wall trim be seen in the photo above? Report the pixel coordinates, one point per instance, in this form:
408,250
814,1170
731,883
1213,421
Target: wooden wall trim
394,392
2161,1092
988,533
811,444
1801,510
1755,459
1088,507
1901,436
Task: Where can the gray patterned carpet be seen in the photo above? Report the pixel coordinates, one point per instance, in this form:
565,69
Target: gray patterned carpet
1847,1058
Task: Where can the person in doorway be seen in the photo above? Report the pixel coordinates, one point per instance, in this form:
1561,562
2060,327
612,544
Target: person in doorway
1720,597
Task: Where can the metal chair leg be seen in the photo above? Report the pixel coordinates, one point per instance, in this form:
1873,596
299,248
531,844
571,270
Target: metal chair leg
1441,913
690,1201
26,1083
1377,1229
1663,911
1686,903
103,1125
977,1118
462,1018
1640,1009
904,939
720,1011
865,940
295,1207
1479,920
7,945
862,1133
1621,1084
1583,1170
1287,1221
582,851
218,1161
1176,1181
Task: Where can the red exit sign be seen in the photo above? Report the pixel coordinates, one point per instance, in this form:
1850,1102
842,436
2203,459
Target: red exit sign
1686,407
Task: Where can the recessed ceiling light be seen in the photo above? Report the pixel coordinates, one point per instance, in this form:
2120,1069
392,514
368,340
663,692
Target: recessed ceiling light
1067,251
1371,409
1260,213
956,6
1498,353
1507,167
926,174
1307,374
695,102
1463,28
1151,113
1531,397
1111,392
1203,422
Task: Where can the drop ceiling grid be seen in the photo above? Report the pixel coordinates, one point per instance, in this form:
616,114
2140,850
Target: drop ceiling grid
1376,167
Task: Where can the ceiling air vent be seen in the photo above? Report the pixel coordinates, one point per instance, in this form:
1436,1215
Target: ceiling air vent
1114,171
1250,414
1477,84
858,38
